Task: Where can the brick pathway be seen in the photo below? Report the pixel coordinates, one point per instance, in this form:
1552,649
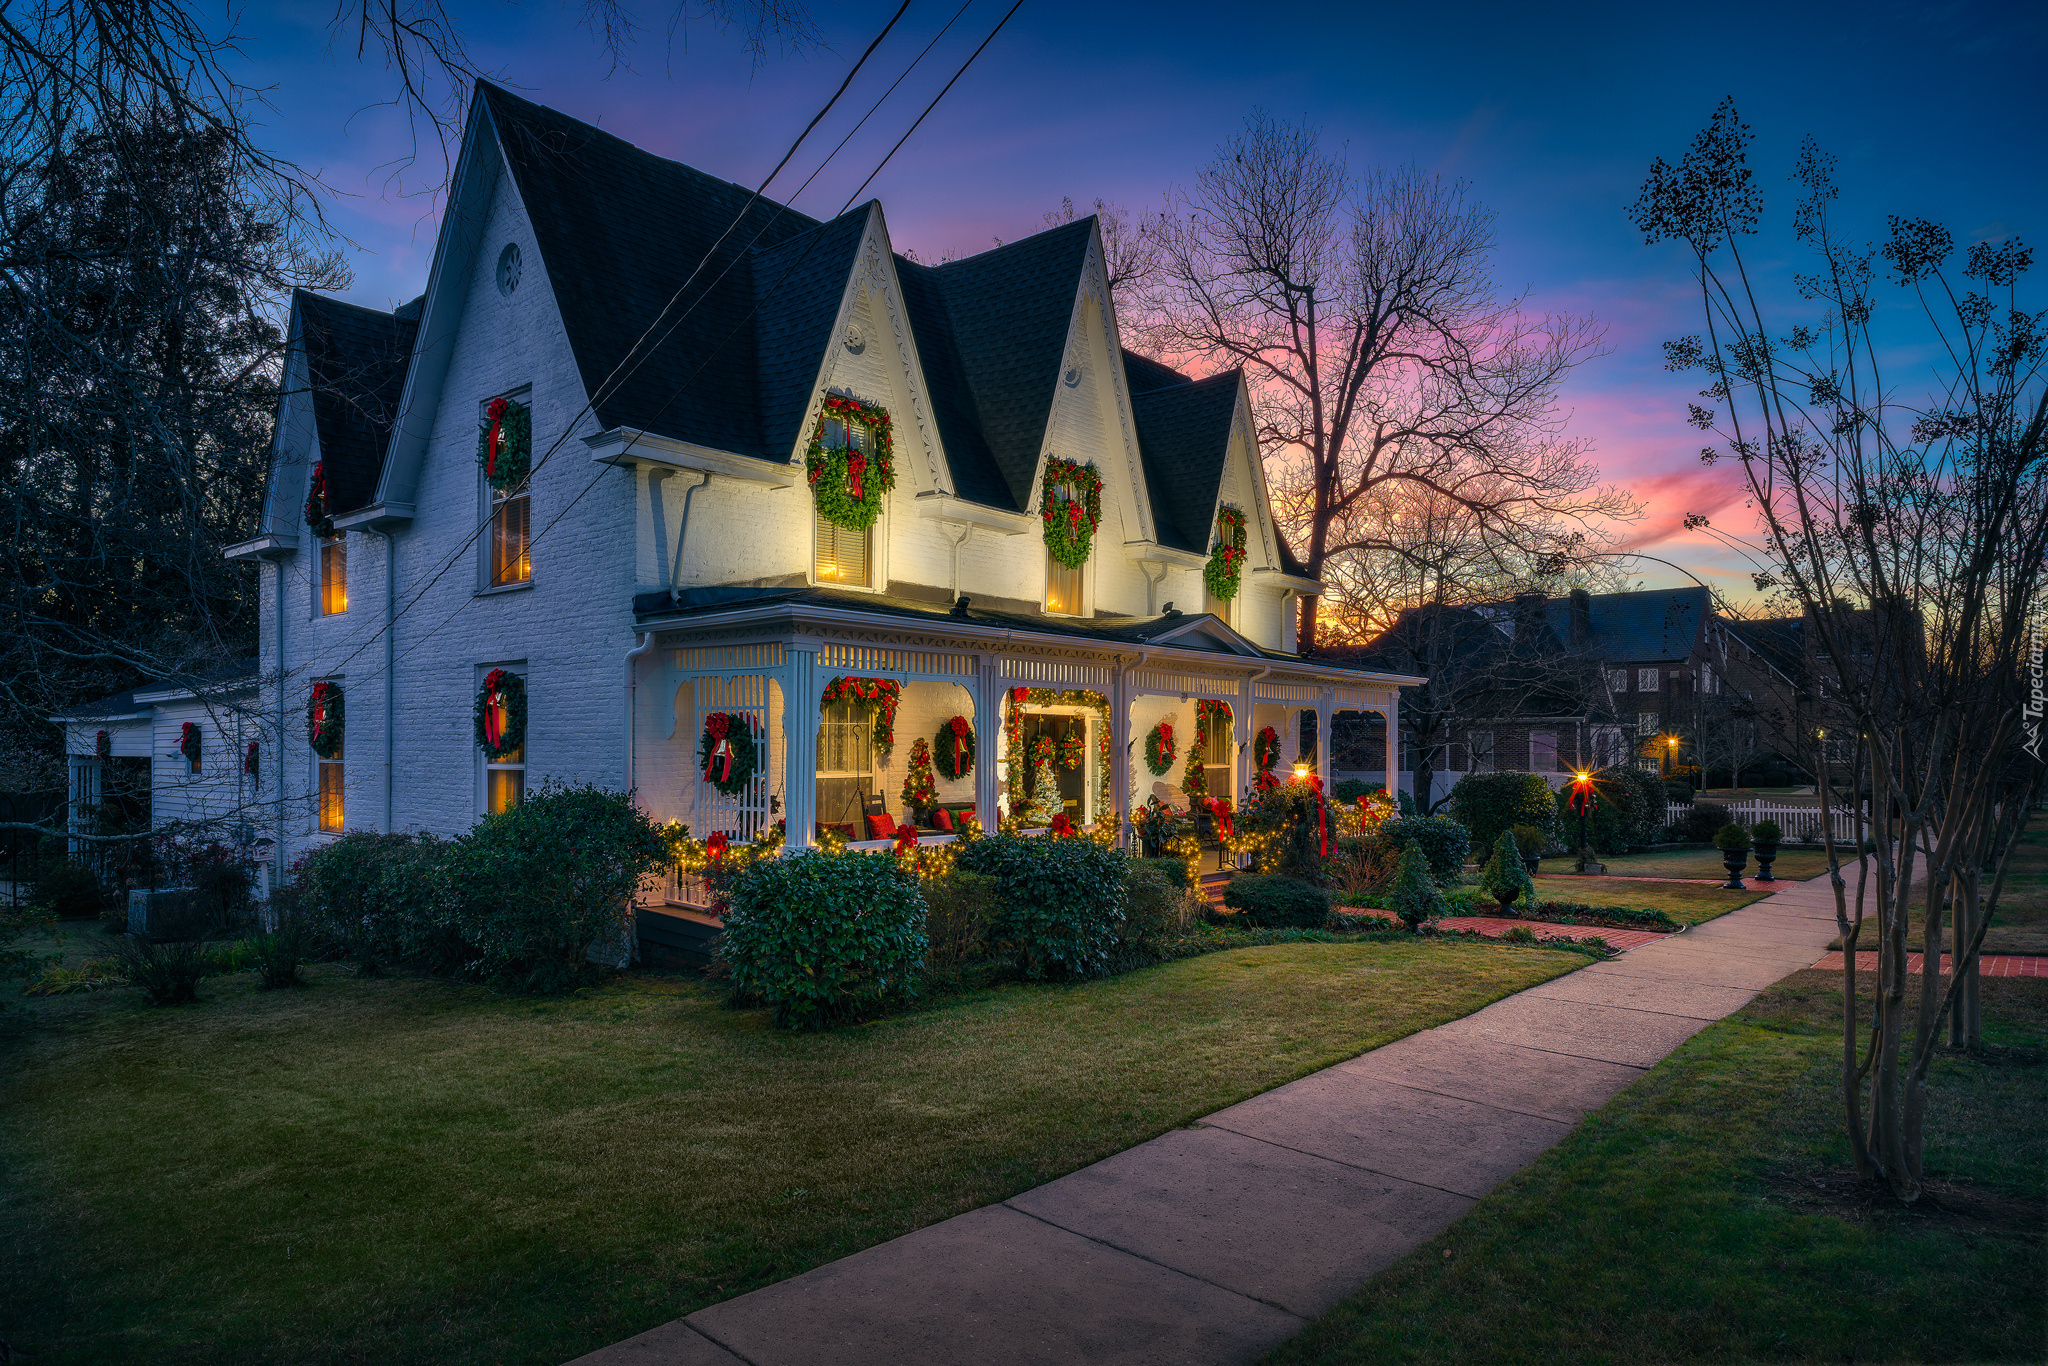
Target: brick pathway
1991,965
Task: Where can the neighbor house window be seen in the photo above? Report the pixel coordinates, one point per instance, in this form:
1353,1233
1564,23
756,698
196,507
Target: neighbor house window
1481,744
511,534
330,791
1617,680
333,574
1543,751
843,555
1646,680
1646,724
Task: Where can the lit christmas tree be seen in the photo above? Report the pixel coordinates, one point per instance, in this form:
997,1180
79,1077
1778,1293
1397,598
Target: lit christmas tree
921,786
1046,801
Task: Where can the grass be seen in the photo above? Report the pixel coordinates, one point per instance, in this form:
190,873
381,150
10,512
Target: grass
1703,1216
2021,925
1796,863
1687,903
404,1170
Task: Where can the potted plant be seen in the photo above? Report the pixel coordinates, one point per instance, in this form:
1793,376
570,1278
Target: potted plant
1504,878
1415,896
1530,843
1733,842
1766,834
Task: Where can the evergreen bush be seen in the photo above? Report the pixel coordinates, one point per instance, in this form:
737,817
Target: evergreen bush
1504,878
960,910
71,892
825,938
1444,841
1158,907
1767,832
1699,825
1488,804
1276,901
1062,901
1416,897
1731,839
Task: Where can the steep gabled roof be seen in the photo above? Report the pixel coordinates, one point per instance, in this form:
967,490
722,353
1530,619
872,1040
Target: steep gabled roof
355,371
797,288
1649,624
1183,436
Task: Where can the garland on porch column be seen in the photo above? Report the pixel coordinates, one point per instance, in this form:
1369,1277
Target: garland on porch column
847,483
956,748
880,694
501,714
1225,570
1013,734
324,719
726,754
504,443
1070,523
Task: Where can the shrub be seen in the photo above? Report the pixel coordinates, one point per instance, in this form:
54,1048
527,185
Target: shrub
1158,908
1445,843
1698,825
1731,838
1351,789
1276,901
1767,832
70,892
537,885
373,896
1405,804
960,909
1529,841
1488,804
825,937
1062,901
1290,812
1362,863
1416,897
1178,869
277,952
1504,878
1579,910
169,972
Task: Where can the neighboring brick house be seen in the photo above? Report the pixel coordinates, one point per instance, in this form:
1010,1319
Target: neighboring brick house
679,351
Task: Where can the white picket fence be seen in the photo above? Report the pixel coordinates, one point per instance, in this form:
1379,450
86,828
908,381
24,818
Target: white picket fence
1798,822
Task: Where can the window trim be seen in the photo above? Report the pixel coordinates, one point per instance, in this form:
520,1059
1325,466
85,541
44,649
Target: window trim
878,540
321,581
488,502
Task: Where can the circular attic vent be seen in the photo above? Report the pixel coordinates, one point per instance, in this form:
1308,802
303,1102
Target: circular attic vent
508,269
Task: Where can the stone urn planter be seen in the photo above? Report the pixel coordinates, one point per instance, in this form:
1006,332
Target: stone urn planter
1532,862
1507,905
1766,854
1734,860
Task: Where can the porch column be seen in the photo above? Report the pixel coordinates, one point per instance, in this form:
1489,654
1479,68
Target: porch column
1120,745
800,717
988,731
85,784
1393,714
1241,732
1325,708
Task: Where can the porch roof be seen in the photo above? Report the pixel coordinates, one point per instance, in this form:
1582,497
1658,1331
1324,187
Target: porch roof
1202,636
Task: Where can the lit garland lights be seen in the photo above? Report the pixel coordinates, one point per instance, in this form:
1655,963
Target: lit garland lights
1013,734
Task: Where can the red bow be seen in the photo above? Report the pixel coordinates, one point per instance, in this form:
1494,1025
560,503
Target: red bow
1219,807
906,838
1019,694
720,726
496,413
959,728
320,704
856,463
1061,825
494,707
715,847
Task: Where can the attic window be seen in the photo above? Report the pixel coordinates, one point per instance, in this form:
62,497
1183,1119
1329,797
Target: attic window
508,269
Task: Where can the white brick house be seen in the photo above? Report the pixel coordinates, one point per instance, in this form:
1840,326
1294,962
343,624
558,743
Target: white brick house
665,561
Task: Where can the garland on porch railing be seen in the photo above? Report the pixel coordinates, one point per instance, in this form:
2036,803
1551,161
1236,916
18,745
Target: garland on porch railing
1070,522
726,754
1225,569
956,748
319,517
1013,734
881,694
324,719
849,484
188,743
1160,749
501,714
504,443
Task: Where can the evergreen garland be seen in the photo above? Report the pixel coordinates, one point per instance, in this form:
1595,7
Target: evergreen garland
849,485
882,694
513,422
1070,534
1225,570
1013,736
500,714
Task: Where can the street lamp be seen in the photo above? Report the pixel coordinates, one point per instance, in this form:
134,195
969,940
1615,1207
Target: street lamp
1301,771
1582,802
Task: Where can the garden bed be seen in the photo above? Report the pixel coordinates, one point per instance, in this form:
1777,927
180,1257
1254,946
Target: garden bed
402,1169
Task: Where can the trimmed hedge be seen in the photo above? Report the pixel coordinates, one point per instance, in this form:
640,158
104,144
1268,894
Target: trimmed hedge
1062,901
824,938
1416,897
1277,902
1489,803
1444,841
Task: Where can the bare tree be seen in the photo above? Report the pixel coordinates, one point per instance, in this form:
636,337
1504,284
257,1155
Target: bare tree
1910,530
1130,249
1364,314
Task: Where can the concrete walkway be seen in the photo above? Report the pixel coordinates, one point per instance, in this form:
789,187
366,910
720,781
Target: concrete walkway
1217,1242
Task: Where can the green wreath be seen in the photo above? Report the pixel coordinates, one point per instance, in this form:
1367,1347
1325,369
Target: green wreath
1073,749
509,423
1160,749
324,719
954,748
848,484
1070,534
1266,749
1225,569
319,517
731,767
507,720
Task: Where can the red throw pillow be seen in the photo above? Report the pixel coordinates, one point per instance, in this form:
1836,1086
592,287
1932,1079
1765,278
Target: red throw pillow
942,819
882,827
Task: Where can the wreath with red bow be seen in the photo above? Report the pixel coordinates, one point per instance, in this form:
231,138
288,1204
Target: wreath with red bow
501,714
1160,749
319,516
323,719
249,758
504,443
1073,748
1070,521
955,748
188,742
1219,808
103,745
726,754
848,483
883,694
1225,569
1266,749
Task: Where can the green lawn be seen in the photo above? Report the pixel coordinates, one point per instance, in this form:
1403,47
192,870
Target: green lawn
1701,1216
403,1170
1796,863
2022,923
1687,903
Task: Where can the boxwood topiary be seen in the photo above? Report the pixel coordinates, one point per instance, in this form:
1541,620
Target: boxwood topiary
824,937
1416,898
1504,878
1489,803
1767,832
1062,901
1275,901
1731,838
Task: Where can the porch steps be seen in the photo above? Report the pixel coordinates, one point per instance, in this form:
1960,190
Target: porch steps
673,936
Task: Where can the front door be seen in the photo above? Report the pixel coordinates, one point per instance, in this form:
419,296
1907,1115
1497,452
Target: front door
1073,782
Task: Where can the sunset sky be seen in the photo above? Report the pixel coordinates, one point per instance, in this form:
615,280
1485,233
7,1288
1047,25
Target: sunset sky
1551,114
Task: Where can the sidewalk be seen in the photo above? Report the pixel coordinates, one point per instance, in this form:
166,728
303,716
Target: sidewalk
1217,1242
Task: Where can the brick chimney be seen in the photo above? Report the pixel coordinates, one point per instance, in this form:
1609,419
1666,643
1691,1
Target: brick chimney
1582,617
1530,609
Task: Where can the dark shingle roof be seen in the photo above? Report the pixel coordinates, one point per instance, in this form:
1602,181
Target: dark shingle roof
1142,373
1650,624
355,366
1183,434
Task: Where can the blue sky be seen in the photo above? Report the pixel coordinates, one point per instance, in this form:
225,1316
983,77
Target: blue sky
1551,114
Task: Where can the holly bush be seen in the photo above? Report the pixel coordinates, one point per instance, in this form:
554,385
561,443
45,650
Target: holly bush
825,938
1062,901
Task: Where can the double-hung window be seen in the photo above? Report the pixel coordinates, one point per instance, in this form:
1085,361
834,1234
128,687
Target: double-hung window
511,533
505,775
330,799
333,574
1481,744
1063,586
1543,751
843,556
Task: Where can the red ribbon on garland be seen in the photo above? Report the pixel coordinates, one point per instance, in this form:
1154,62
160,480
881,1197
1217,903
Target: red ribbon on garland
494,700
906,838
1219,807
1062,824
959,727
496,413
856,465
720,725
